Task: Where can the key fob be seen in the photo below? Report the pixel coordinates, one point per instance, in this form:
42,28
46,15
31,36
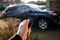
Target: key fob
31,22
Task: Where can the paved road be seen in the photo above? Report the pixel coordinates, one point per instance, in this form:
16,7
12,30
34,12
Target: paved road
51,34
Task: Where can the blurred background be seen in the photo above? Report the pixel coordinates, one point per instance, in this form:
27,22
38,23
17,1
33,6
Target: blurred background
54,4
8,26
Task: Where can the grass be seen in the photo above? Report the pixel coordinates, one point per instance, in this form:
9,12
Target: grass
9,26
35,37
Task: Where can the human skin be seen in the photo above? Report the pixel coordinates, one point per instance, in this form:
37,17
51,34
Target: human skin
23,29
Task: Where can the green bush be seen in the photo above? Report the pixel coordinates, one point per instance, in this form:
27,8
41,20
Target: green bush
35,37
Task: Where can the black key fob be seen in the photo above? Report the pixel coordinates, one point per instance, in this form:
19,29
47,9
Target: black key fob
31,22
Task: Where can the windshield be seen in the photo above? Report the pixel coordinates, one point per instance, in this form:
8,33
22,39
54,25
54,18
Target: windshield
34,6
42,7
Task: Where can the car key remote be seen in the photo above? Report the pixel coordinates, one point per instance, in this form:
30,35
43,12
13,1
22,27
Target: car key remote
31,22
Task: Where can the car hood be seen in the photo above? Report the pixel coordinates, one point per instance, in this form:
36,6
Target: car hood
47,11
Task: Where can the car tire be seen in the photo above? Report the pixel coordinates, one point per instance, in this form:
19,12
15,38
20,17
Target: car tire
43,24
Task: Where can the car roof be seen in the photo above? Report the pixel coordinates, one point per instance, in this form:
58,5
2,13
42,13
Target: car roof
29,4
33,6
42,5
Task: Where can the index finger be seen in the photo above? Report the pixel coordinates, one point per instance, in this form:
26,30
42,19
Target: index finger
25,22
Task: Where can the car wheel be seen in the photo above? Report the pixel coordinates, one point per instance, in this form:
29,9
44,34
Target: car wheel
43,24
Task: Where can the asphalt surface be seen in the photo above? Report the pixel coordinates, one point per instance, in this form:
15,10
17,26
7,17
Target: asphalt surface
52,33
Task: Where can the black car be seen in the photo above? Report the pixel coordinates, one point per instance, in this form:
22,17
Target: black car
24,11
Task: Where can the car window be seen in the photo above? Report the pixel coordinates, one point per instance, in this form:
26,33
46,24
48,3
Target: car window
23,9
11,9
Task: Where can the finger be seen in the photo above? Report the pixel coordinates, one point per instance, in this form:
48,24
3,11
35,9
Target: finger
24,24
27,21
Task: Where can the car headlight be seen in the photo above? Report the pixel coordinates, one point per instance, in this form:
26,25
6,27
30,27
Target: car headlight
54,14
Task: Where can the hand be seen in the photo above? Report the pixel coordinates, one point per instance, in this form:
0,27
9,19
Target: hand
23,29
